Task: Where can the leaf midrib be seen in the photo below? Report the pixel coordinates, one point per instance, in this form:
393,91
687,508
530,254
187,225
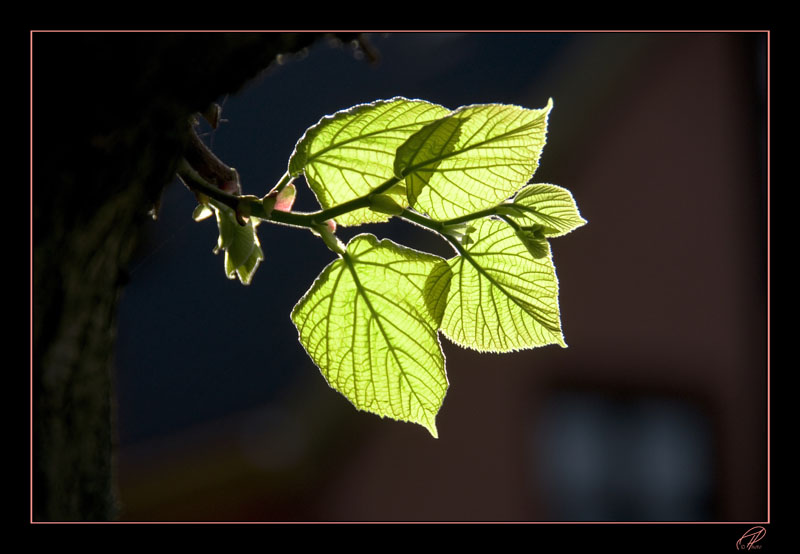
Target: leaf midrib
361,291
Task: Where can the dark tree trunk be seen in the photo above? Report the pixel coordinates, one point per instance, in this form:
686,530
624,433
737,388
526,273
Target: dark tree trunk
111,117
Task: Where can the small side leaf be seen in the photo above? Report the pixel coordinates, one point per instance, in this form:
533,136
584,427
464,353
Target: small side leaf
504,292
240,243
366,324
550,206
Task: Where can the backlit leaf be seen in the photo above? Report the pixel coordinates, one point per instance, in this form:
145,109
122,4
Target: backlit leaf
476,157
550,206
504,292
370,323
349,154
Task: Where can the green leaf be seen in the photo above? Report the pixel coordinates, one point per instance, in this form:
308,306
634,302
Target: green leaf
550,206
349,154
239,242
246,270
370,323
476,157
503,297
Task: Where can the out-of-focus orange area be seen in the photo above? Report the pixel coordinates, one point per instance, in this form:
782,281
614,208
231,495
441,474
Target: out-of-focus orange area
657,410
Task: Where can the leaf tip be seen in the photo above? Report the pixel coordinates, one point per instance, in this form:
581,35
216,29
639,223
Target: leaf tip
432,430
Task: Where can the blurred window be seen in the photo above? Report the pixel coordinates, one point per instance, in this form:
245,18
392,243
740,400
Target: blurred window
624,459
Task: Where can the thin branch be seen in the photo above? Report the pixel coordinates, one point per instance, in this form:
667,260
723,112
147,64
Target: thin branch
209,166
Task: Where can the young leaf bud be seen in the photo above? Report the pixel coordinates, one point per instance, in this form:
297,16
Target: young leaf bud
325,231
285,199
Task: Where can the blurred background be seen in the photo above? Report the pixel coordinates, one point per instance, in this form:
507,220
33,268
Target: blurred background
657,411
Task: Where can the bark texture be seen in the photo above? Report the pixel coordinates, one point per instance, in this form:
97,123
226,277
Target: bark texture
111,118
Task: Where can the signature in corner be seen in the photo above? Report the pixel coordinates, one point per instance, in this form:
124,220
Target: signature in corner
750,538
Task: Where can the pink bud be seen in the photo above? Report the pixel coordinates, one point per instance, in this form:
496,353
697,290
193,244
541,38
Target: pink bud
285,199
